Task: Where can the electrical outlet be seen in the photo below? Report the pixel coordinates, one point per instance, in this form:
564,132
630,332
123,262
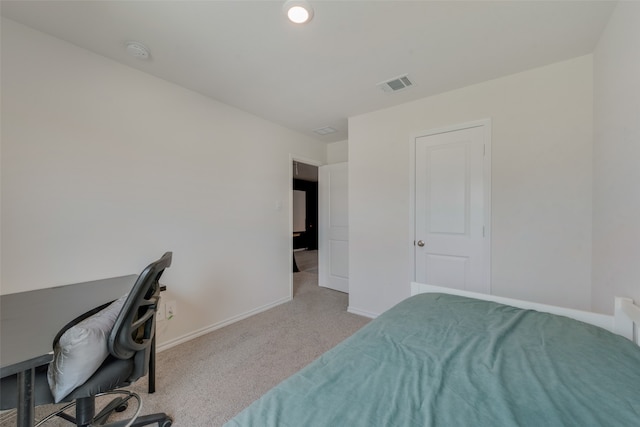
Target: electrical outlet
161,312
172,309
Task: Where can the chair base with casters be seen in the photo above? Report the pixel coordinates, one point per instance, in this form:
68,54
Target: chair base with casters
86,416
85,407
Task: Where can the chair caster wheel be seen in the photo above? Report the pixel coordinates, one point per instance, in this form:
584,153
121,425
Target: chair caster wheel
122,407
167,423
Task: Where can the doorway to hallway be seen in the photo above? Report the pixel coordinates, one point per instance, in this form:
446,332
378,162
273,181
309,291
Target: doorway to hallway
305,223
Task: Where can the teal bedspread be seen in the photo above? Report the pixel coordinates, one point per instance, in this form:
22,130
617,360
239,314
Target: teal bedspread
444,360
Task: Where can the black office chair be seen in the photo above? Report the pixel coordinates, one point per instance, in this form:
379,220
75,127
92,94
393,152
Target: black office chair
131,346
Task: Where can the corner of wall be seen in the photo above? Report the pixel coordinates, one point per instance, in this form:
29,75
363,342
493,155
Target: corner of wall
338,152
616,192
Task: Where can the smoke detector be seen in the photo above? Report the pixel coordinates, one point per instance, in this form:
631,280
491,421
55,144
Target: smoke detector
137,50
396,84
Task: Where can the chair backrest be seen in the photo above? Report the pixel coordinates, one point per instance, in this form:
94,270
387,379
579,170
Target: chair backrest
134,329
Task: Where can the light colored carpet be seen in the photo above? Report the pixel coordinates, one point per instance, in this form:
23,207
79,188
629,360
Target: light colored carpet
307,261
208,380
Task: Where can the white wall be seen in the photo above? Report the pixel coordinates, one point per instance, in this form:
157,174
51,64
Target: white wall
616,189
541,189
338,152
104,168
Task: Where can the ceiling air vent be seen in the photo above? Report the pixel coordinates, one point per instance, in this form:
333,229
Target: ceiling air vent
325,130
396,84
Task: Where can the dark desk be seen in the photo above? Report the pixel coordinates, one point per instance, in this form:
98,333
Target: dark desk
31,320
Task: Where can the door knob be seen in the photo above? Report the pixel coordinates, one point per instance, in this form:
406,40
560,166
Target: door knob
420,243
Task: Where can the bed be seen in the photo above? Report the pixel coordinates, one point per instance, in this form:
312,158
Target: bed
451,358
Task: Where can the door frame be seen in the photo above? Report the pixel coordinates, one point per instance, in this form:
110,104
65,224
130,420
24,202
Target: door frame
486,124
308,161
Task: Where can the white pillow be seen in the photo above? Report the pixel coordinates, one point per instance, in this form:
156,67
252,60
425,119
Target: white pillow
81,350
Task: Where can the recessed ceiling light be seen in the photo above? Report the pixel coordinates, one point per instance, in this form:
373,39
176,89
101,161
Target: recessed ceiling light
298,11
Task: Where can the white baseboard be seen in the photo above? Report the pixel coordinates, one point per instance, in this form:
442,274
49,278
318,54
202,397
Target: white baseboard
359,312
199,332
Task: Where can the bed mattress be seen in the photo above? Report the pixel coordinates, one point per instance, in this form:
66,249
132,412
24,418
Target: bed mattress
445,360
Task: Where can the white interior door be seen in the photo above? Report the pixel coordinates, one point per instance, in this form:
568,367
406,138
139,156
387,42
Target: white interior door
333,231
452,179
